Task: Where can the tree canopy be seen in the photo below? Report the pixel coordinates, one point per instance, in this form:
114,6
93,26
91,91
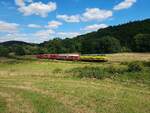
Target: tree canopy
142,42
132,36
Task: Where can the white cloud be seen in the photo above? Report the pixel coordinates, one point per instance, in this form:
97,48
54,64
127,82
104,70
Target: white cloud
36,8
67,34
8,27
53,24
96,14
95,27
124,5
34,26
44,33
89,15
21,37
15,36
12,36
37,37
71,19
50,34
20,2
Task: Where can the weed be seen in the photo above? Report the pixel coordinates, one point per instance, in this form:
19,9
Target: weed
2,105
115,70
57,70
135,67
88,72
147,64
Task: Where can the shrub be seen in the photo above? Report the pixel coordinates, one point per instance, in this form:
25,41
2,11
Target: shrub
19,50
115,70
108,44
124,63
4,51
142,42
88,72
135,67
57,70
147,64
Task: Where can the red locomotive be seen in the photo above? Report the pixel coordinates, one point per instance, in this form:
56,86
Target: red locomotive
73,57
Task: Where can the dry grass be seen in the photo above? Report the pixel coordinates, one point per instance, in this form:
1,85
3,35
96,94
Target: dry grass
37,87
123,57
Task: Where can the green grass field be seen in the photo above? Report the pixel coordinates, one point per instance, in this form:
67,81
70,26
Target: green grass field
44,86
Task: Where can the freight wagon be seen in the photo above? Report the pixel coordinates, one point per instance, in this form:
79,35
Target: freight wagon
73,57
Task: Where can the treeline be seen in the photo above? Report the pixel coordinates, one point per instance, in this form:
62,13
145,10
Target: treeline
18,50
130,37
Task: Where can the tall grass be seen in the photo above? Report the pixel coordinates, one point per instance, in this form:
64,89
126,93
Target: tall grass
88,72
3,107
135,67
46,86
130,71
97,72
44,103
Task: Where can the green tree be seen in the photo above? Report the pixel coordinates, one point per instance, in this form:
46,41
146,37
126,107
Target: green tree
4,51
19,51
142,42
108,44
55,46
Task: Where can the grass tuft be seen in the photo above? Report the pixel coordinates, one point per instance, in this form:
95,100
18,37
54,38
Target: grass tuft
88,72
57,71
2,105
115,70
135,67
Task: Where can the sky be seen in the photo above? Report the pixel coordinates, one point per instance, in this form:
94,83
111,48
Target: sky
42,20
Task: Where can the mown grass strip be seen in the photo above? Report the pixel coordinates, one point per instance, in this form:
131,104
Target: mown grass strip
3,106
44,103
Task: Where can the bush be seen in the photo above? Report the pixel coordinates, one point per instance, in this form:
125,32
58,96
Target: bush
19,51
142,42
115,70
108,44
57,70
147,64
135,67
88,72
4,51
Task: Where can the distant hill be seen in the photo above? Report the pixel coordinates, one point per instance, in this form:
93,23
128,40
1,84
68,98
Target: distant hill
18,48
125,33
132,36
11,43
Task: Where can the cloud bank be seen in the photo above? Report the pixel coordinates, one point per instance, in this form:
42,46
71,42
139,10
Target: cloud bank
124,5
35,8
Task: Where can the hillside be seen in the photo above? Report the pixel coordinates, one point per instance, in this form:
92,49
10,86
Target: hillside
132,36
11,43
124,33
89,43
17,48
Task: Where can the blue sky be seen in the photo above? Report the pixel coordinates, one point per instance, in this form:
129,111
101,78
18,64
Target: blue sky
40,20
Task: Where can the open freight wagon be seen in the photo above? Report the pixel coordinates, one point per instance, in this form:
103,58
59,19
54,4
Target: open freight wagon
74,57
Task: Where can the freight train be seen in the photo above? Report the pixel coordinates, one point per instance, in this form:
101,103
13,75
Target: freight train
73,57
59,56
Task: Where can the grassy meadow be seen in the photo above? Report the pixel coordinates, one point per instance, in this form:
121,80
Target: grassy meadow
121,85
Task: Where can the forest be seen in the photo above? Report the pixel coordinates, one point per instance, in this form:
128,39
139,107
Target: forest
128,37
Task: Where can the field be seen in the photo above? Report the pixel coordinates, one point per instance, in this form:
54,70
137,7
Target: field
45,86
